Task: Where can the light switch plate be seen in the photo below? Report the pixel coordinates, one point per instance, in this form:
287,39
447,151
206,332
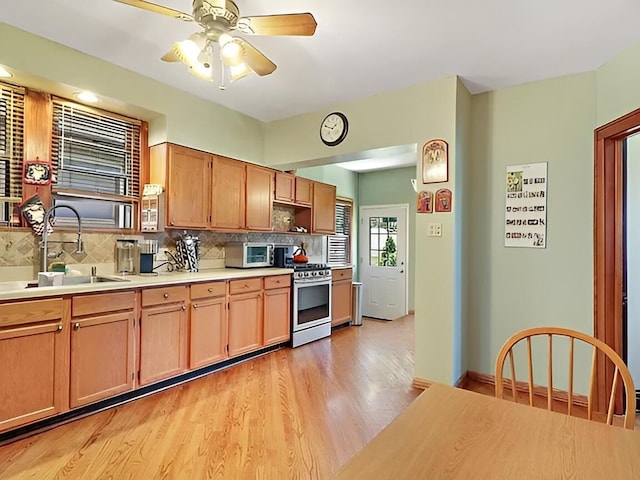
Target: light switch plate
435,229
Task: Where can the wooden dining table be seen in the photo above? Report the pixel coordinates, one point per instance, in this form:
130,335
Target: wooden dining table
449,433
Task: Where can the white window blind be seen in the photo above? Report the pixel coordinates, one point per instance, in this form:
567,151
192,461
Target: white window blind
11,149
96,158
339,245
95,152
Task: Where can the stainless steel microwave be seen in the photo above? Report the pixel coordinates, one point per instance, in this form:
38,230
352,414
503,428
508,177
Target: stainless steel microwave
248,255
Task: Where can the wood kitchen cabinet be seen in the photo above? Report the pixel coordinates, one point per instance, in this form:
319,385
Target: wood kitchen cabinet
292,189
324,208
259,198
163,333
245,316
277,309
186,175
102,346
208,324
228,194
341,295
34,352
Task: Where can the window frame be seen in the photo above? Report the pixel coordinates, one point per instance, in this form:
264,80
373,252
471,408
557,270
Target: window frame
13,153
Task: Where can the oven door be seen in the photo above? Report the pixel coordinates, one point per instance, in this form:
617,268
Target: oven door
311,303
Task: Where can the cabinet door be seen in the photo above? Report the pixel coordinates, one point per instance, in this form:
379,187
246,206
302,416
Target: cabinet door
245,323
324,208
341,302
208,337
228,195
304,191
163,342
188,188
259,198
277,316
285,187
101,357
34,382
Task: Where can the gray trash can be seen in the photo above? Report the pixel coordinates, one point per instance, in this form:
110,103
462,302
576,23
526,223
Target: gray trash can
356,314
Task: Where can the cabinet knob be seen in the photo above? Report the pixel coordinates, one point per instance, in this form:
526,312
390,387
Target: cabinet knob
210,290
166,295
172,224
195,305
59,329
76,326
184,307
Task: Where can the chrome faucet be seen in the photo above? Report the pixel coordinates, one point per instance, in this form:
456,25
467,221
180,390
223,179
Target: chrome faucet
44,244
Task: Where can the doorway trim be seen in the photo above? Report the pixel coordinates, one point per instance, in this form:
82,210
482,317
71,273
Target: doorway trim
608,244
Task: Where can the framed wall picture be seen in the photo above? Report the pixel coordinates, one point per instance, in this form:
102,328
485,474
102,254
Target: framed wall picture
435,161
443,200
424,202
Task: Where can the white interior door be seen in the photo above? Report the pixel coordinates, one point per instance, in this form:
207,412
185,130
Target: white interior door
383,260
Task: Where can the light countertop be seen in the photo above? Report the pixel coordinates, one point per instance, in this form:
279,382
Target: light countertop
18,290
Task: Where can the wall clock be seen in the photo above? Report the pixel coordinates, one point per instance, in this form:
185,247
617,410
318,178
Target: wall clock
334,128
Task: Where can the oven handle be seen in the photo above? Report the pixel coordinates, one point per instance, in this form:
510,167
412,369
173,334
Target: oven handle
321,281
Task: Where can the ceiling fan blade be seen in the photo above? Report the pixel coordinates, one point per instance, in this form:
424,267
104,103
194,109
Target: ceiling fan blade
289,24
255,59
152,7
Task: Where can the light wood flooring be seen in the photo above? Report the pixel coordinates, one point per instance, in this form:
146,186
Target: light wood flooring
292,414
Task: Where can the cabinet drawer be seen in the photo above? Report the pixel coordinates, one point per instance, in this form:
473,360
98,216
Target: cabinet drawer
160,296
102,303
341,274
19,313
277,281
207,290
245,285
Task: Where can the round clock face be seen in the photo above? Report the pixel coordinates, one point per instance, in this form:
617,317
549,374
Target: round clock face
333,129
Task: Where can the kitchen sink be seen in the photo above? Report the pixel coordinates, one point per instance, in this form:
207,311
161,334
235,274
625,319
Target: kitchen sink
66,280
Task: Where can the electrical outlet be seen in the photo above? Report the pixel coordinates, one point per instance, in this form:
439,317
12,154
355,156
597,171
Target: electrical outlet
435,230
161,256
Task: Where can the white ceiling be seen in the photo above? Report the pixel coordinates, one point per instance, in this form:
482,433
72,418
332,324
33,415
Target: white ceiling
360,47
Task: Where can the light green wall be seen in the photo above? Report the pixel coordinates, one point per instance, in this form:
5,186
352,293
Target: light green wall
464,183
393,187
404,117
617,84
516,288
184,119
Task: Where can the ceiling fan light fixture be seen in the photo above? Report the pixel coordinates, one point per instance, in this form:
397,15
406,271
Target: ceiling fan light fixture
239,71
232,53
190,49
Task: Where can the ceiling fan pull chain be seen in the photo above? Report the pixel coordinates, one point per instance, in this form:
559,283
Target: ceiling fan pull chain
222,85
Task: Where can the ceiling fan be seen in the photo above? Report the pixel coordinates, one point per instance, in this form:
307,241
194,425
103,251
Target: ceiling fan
218,18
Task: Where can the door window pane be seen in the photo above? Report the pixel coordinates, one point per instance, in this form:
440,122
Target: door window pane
383,241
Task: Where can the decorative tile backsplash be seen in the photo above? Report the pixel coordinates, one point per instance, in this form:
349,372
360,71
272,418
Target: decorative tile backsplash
20,247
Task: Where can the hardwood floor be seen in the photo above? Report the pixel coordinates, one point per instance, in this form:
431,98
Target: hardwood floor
291,414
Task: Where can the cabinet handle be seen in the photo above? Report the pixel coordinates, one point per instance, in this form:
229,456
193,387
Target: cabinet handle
210,290
59,329
166,295
195,305
76,326
184,307
246,285
172,224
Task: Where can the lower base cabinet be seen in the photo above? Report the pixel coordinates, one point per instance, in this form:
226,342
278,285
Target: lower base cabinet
163,334
102,347
341,293
208,332
277,309
34,383
245,316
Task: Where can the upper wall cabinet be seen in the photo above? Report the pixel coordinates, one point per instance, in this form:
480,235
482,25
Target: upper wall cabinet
324,208
228,194
259,198
186,176
293,190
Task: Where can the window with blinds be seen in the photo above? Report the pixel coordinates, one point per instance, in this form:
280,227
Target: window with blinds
339,244
96,157
11,151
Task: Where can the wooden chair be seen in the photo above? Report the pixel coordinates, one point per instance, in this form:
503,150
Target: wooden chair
620,371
